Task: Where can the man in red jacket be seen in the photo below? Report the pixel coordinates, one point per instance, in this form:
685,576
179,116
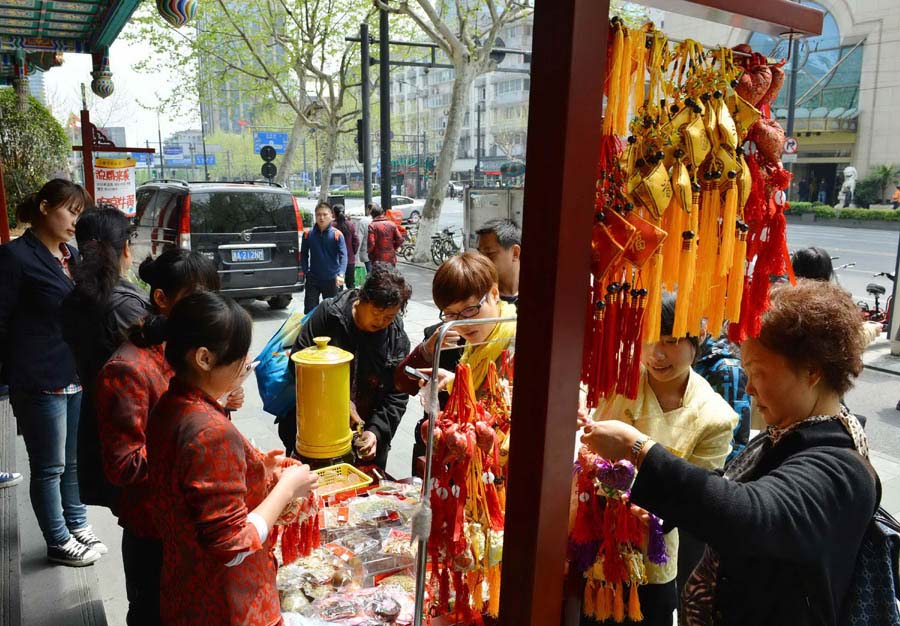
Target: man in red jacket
384,238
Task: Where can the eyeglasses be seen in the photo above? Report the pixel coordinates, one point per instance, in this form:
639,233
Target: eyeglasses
467,313
133,235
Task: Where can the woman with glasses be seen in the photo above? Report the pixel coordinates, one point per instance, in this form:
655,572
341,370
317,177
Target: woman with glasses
368,323
465,287
104,305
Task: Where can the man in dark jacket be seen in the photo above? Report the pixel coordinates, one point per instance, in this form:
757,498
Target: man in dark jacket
384,238
367,323
323,258
351,240
500,240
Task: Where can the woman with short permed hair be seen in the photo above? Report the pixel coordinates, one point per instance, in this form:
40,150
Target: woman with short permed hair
784,524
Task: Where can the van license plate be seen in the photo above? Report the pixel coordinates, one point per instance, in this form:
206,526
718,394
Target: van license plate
247,255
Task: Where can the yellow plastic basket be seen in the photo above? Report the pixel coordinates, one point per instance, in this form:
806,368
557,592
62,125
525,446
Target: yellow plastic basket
340,478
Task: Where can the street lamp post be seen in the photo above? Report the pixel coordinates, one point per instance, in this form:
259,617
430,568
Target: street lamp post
478,109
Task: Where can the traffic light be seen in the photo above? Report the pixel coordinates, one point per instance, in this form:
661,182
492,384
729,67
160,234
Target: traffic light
429,165
360,143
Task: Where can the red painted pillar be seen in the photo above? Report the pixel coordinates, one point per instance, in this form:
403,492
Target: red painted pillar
87,151
4,219
564,126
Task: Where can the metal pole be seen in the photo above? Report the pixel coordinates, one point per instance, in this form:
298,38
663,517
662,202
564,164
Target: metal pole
366,112
162,157
792,94
418,159
305,168
385,105
478,142
203,140
4,219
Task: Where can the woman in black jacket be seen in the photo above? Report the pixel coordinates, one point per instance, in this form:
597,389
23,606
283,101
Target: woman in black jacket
103,305
784,524
35,276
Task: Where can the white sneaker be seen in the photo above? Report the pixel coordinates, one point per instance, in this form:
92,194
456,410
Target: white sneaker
87,537
72,553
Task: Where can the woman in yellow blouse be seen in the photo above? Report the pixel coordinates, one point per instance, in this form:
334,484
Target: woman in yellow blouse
677,408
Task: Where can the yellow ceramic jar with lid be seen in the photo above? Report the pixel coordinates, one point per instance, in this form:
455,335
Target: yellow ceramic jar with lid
323,400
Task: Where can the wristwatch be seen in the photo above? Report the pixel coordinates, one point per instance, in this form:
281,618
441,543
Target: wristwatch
637,447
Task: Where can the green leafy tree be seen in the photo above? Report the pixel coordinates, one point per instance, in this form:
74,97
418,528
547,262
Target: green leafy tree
33,147
289,55
885,174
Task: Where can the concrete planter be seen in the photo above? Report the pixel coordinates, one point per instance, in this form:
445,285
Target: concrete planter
812,219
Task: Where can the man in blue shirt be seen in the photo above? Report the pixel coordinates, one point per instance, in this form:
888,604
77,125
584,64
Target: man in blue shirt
323,258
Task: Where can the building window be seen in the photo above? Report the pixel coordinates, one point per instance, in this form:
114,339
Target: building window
819,82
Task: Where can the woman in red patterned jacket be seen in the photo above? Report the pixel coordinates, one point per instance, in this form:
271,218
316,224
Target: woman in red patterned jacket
127,388
215,496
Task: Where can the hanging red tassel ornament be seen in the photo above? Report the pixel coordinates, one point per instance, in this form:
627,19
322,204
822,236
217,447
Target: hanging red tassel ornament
467,526
606,538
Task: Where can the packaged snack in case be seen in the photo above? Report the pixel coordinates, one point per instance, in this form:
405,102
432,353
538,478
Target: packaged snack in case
380,606
361,541
388,510
316,576
399,542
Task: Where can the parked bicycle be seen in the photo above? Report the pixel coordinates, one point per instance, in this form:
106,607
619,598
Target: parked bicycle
876,313
444,245
409,244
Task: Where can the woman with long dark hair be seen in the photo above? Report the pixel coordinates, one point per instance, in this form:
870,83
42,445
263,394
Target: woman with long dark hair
35,277
128,387
214,495
104,304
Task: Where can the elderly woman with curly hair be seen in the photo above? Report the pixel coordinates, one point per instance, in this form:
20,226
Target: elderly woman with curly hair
784,524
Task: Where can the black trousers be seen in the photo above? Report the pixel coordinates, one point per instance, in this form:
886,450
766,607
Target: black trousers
690,551
142,559
350,277
315,289
657,606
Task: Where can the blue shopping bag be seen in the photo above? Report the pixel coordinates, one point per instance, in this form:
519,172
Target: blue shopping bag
274,376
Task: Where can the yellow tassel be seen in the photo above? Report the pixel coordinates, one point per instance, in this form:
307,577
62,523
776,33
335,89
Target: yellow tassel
716,307
640,57
729,218
618,604
602,608
634,605
625,82
653,309
673,221
476,589
588,606
686,271
707,249
736,280
494,591
615,72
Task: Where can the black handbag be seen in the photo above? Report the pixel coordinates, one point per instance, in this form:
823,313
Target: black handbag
875,586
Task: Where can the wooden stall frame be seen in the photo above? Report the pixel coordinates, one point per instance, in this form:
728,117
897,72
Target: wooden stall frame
568,71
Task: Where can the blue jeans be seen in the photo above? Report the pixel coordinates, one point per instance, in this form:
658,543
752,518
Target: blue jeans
49,425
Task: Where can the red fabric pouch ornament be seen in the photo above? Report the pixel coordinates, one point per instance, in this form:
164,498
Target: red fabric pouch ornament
645,241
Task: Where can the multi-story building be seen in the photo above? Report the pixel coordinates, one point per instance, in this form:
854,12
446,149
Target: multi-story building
229,105
36,86
496,108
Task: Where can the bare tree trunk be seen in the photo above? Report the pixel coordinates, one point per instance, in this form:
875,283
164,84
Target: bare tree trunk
298,131
328,160
459,97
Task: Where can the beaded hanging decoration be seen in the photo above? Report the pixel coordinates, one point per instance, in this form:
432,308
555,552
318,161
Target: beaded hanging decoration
606,538
686,203
466,541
